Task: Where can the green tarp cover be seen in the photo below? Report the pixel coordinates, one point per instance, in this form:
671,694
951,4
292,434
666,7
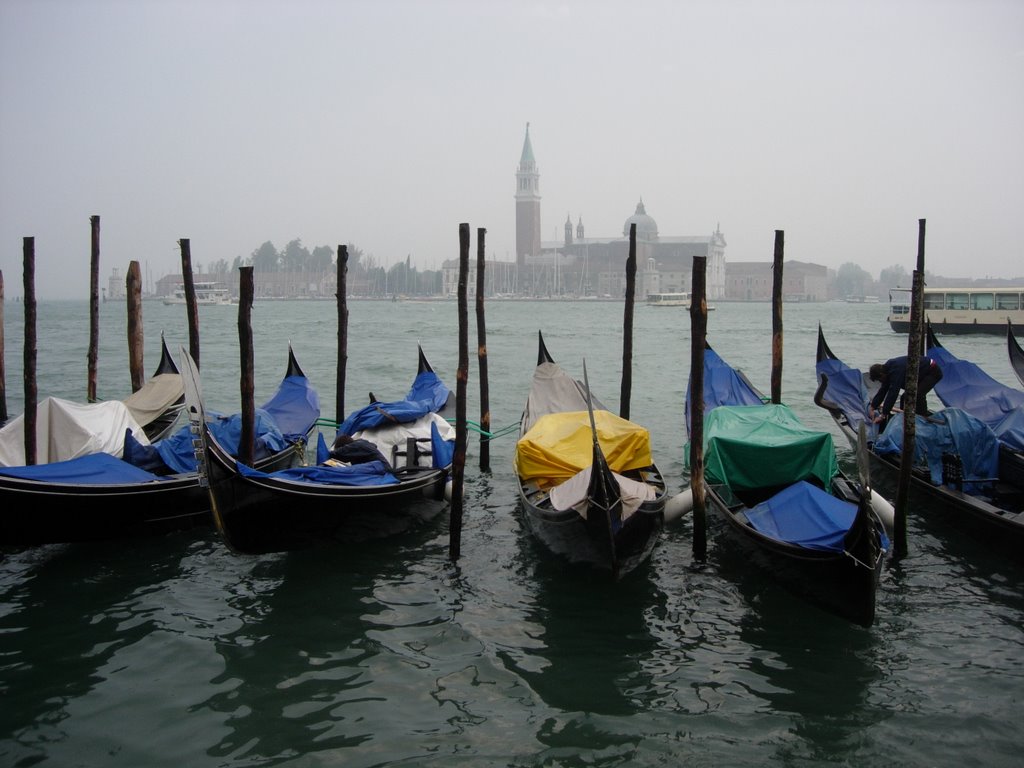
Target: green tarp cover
758,446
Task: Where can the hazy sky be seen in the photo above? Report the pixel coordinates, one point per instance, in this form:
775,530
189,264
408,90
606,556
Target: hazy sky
386,124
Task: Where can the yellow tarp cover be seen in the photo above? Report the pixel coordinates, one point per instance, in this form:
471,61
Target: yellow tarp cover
561,444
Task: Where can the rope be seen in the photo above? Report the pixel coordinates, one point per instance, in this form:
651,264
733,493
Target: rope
475,427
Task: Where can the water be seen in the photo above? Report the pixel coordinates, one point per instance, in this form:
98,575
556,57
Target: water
176,652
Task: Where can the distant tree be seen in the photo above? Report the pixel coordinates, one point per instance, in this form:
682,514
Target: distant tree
894,277
322,258
239,262
295,256
852,280
219,267
355,255
266,259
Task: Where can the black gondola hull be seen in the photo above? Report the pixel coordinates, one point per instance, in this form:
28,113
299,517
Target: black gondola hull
568,535
841,583
261,515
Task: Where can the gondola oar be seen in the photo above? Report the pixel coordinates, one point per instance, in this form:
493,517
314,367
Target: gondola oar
603,495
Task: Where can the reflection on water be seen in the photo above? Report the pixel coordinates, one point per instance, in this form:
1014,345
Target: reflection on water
592,632
177,652
68,613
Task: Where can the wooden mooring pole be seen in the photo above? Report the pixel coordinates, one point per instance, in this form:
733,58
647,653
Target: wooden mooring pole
342,367
777,316
94,308
626,390
698,340
29,351
461,381
914,348
133,303
247,440
192,310
481,354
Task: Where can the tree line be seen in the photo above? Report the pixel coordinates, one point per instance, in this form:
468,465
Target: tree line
366,275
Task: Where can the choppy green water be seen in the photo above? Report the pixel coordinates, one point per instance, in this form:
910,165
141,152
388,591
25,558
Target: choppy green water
177,652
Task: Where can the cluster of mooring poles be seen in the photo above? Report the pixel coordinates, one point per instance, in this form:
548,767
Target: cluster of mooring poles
694,498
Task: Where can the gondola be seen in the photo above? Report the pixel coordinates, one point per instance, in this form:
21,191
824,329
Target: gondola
133,488
158,403
957,473
590,490
966,386
778,488
389,467
1015,352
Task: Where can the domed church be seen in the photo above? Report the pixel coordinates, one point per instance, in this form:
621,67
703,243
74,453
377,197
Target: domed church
584,266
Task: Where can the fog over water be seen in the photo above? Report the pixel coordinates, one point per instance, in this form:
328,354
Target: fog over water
387,124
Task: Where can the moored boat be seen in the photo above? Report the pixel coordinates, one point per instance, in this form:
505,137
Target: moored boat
588,485
116,484
777,487
957,474
1015,352
388,468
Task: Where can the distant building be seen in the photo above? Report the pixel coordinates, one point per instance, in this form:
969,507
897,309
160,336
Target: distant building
596,266
753,280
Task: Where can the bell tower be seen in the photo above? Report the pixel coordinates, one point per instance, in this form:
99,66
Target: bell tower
527,205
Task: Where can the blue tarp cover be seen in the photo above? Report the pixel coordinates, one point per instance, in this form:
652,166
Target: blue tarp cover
94,469
948,431
806,516
369,473
427,395
295,407
846,389
966,386
722,386
177,453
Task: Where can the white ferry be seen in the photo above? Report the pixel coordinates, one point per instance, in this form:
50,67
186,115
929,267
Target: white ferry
961,310
670,300
206,293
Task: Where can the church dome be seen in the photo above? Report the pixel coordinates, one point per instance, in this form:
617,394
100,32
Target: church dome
646,227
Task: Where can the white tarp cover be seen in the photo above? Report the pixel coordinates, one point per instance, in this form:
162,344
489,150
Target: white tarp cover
156,396
386,438
66,430
572,494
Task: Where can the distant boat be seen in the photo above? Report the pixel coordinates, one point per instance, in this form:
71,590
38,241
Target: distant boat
206,293
961,310
861,299
671,300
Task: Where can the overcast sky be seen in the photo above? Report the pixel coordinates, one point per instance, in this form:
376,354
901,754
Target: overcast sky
387,124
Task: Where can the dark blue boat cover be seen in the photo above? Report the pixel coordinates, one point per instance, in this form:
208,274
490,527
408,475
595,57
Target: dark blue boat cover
846,389
951,430
805,515
295,407
722,386
94,469
368,473
176,452
966,386
427,395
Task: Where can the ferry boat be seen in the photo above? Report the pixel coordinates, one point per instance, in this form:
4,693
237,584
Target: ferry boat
206,293
670,300
961,310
